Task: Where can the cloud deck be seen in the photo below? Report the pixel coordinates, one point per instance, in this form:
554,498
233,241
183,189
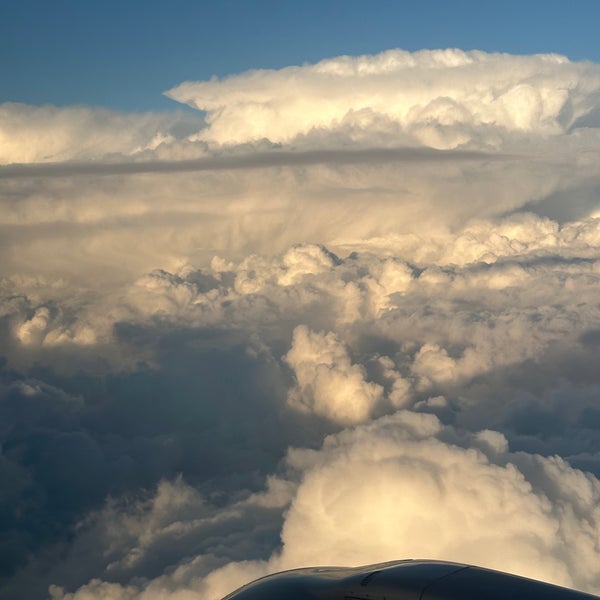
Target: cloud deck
356,300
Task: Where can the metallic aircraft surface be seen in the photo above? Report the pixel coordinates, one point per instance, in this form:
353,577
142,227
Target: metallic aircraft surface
402,580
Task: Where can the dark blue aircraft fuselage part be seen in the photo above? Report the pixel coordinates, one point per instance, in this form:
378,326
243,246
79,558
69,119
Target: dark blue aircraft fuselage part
402,580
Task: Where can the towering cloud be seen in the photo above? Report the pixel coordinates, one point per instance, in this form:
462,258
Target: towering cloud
348,315
440,98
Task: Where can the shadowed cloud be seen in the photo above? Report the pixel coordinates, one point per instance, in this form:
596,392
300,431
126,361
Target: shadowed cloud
258,160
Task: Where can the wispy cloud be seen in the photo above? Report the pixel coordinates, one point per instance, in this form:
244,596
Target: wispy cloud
255,160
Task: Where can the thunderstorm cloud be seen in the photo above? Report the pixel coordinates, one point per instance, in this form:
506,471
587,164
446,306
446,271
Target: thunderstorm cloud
347,313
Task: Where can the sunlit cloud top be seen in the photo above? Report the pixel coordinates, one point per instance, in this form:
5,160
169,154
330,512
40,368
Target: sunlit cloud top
439,98
350,300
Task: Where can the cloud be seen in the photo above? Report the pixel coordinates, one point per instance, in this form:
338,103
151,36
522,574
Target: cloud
357,301
31,134
327,382
397,487
361,335
438,98
254,160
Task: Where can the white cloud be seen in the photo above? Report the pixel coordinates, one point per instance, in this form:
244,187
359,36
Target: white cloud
398,491
415,330
440,98
31,134
327,381
395,488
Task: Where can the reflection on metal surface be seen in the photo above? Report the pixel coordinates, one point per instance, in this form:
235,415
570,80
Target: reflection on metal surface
402,580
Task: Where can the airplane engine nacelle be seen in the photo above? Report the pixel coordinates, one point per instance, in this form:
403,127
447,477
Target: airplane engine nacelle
402,580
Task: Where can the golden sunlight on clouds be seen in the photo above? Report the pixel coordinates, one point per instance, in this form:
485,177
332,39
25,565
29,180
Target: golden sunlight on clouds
354,301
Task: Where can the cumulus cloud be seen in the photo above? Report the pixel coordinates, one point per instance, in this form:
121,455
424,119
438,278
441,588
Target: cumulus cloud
327,382
357,301
400,485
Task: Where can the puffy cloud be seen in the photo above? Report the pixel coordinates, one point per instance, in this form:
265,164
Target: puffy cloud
440,98
220,360
396,487
398,349
403,486
175,526
327,382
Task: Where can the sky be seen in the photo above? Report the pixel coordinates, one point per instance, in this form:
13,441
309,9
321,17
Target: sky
287,285
123,55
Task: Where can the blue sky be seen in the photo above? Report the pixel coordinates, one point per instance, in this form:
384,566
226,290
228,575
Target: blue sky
125,54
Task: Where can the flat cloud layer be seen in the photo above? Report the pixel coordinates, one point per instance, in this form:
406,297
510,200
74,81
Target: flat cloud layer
354,301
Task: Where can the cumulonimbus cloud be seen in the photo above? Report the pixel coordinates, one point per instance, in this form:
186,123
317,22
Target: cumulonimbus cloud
440,98
239,343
